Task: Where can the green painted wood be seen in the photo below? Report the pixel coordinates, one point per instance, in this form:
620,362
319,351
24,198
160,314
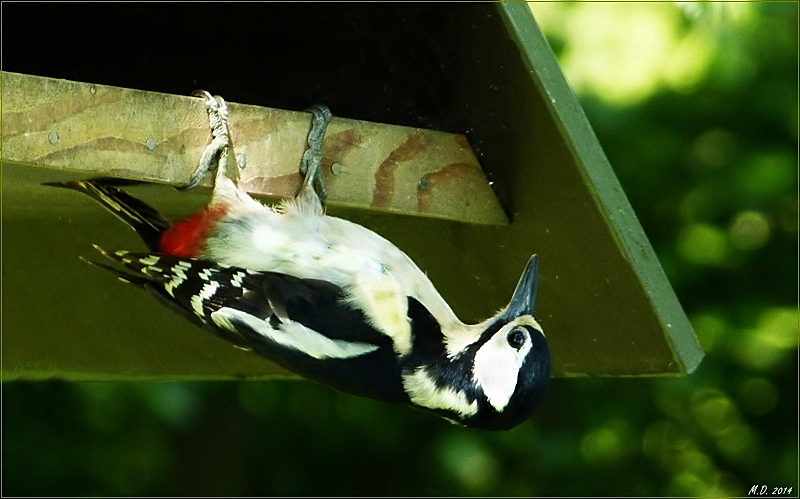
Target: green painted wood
599,178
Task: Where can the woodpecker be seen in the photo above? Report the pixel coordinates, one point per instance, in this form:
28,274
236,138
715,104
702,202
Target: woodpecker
326,298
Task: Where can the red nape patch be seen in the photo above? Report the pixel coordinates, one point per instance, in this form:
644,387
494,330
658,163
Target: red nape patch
186,238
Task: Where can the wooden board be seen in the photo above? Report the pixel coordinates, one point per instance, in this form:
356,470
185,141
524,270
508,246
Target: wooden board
106,130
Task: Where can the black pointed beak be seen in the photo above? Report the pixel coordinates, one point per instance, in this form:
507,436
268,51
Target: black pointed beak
524,299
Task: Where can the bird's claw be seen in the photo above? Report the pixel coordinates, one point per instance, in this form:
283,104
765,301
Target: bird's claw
215,155
310,165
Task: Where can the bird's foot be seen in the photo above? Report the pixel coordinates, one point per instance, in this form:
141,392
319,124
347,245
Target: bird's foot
311,164
217,154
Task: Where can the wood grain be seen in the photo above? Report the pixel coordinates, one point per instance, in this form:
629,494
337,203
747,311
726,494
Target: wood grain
103,130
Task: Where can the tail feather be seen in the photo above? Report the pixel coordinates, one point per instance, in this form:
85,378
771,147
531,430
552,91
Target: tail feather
120,274
139,216
169,280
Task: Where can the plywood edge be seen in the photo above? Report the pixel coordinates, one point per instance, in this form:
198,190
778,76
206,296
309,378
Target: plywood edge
105,130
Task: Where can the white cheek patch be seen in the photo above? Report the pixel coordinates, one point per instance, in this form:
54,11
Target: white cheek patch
497,366
293,335
422,391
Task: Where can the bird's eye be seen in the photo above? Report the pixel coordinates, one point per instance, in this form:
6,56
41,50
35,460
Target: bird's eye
516,339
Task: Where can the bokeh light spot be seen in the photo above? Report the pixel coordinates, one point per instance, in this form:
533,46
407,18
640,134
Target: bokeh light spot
710,328
655,49
689,62
467,459
704,244
767,344
757,395
712,149
768,174
607,444
713,410
779,327
749,230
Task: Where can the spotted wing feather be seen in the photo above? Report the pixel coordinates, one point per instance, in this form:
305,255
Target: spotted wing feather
242,305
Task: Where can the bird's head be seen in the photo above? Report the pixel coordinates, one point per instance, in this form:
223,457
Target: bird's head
511,367
496,378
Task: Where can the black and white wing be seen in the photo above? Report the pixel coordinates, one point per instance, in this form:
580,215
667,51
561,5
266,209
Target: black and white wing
305,325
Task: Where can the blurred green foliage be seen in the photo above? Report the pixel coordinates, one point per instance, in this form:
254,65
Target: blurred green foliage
696,105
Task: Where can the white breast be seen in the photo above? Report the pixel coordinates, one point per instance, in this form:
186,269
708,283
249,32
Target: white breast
375,273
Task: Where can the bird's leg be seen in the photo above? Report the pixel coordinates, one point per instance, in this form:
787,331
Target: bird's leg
217,155
312,192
